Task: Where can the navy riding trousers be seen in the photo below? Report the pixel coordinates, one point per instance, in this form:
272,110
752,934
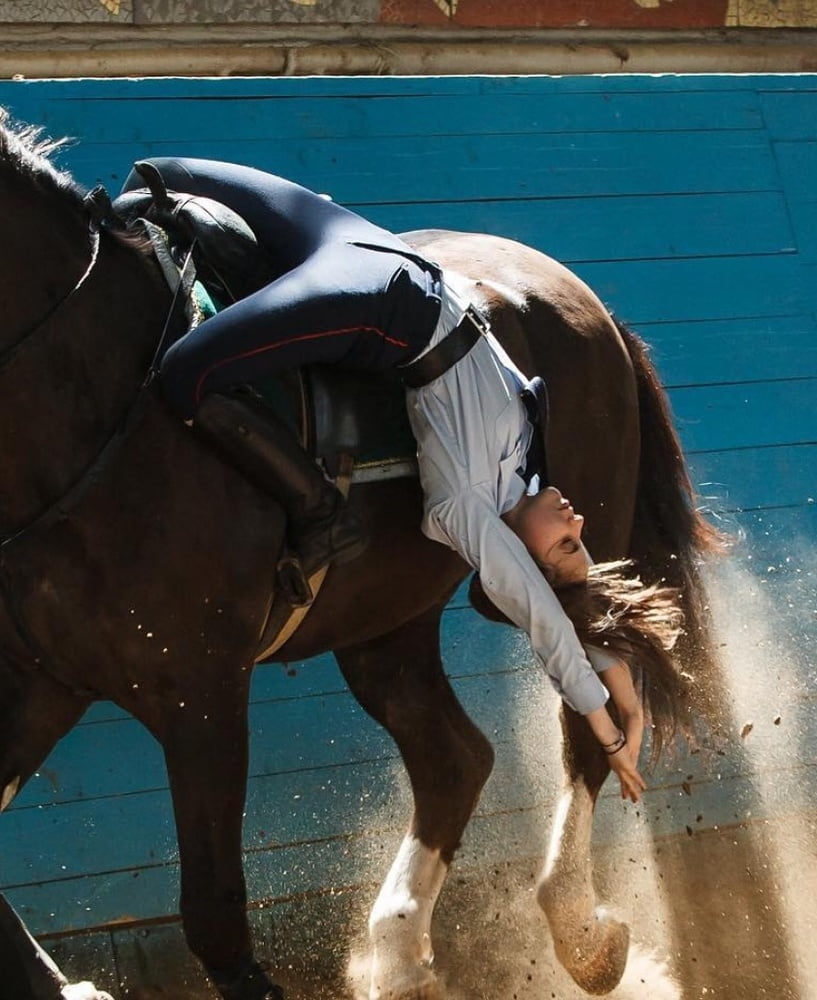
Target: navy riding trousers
343,291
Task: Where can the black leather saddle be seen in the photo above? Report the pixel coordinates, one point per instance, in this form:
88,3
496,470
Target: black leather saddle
340,413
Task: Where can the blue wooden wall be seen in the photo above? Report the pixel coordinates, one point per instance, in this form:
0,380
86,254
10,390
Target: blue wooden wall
687,202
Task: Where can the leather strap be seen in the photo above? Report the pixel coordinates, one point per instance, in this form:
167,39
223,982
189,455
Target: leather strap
534,397
444,355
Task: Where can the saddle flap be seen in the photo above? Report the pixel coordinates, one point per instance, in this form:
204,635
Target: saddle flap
356,413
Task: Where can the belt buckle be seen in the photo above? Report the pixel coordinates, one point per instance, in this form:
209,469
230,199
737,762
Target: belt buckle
476,317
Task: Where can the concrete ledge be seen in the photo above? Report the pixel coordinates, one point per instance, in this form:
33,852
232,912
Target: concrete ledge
91,50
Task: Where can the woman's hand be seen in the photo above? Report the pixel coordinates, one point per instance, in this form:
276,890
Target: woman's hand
624,764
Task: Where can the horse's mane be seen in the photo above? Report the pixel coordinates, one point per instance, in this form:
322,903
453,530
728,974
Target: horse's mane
27,152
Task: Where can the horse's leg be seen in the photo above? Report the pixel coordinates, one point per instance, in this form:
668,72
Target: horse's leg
36,711
28,972
399,681
589,943
205,742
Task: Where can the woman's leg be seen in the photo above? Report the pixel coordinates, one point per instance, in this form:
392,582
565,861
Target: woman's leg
335,309
343,306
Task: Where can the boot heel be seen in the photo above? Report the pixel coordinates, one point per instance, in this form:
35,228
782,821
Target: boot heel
292,582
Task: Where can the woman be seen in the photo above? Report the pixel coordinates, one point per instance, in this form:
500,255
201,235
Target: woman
335,289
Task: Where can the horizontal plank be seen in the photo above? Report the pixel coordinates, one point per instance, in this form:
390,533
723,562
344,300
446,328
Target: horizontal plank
388,106
288,737
797,162
733,350
643,292
94,956
809,279
776,476
364,170
804,222
791,114
779,533
718,417
578,230
243,87
191,118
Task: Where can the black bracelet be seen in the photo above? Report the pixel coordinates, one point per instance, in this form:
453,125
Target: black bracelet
619,744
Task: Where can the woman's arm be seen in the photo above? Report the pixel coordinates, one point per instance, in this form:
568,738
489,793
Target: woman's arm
624,762
517,587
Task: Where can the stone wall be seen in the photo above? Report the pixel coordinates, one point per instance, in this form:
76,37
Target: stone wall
552,14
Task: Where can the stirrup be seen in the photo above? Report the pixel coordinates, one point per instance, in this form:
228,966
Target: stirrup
293,581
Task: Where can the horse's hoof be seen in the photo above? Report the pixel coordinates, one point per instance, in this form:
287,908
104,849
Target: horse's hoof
429,991
251,983
599,971
83,991
425,987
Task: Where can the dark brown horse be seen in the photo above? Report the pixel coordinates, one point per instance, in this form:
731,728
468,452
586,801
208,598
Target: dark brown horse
154,530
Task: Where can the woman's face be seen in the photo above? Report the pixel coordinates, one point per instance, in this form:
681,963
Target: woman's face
552,531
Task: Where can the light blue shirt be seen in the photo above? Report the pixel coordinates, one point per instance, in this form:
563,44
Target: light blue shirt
472,439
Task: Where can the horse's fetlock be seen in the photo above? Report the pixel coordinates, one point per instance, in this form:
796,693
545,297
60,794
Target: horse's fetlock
565,890
403,934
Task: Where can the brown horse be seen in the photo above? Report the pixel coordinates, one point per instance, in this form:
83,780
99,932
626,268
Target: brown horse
114,514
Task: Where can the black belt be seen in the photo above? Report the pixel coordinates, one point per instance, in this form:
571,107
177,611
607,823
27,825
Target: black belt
535,400
446,354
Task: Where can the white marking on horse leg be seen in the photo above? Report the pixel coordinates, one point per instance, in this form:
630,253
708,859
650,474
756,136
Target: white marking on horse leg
589,943
566,883
400,922
9,792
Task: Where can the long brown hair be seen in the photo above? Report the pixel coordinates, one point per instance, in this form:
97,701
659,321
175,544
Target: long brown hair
614,610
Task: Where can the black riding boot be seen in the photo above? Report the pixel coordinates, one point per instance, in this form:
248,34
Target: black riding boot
322,529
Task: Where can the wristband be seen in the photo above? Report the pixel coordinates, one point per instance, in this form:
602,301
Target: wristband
619,744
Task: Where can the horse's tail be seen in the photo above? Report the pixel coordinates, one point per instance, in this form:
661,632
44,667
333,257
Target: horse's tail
670,535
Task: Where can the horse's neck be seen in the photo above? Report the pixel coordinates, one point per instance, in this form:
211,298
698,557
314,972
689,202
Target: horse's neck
80,356
43,253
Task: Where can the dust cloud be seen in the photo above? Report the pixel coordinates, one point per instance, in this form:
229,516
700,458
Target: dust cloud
714,871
